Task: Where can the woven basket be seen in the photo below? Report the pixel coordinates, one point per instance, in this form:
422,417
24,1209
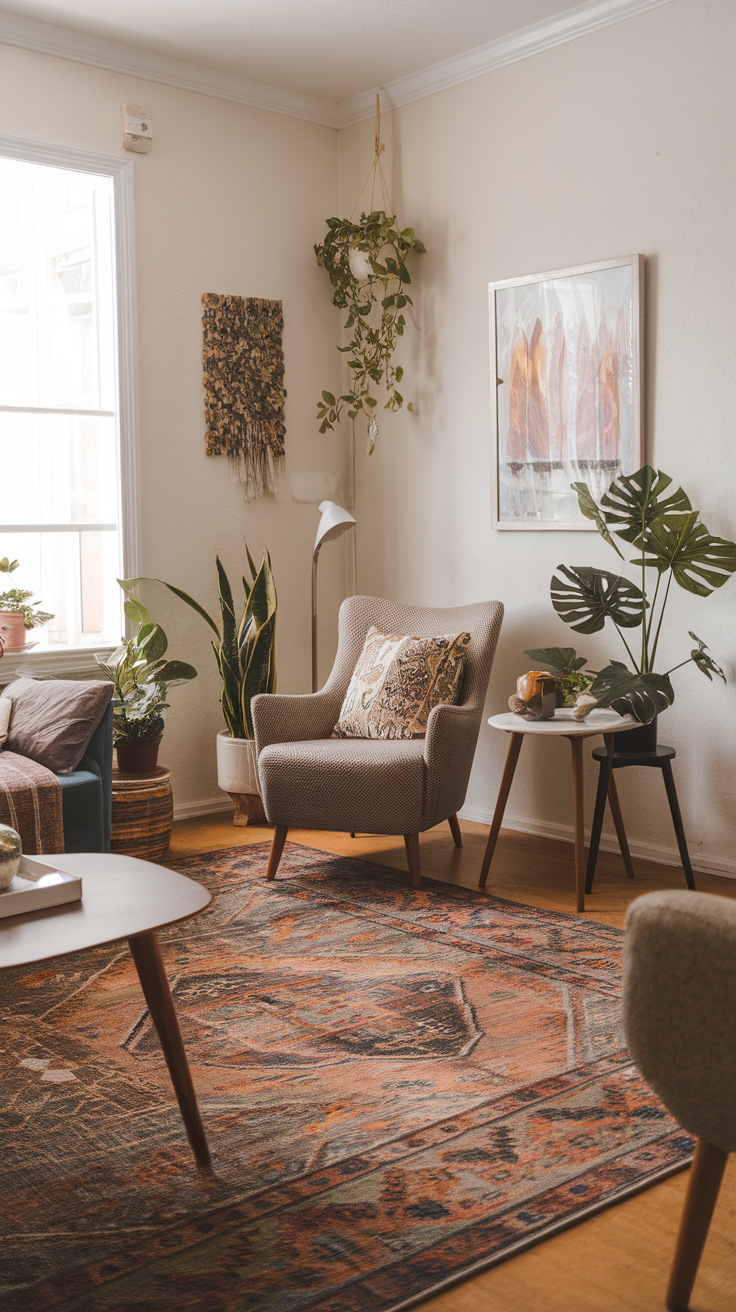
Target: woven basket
142,813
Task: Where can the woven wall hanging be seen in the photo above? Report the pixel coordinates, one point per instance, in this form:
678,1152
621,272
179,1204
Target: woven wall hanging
243,362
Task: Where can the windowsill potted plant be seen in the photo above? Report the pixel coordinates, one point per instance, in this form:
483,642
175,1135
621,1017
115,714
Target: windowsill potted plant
245,652
18,613
142,679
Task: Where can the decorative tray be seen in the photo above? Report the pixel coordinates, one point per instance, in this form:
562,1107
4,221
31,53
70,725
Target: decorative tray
37,885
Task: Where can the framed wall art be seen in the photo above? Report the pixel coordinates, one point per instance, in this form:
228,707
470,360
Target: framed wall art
566,391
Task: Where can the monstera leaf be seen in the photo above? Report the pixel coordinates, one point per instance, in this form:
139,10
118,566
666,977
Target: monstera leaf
591,596
589,508
634,502
704,660
558,660
640,695
699,562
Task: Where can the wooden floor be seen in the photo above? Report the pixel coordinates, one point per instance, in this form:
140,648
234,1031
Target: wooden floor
617,1261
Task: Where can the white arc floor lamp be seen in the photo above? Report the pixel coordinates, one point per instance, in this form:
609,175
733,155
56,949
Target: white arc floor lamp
334,522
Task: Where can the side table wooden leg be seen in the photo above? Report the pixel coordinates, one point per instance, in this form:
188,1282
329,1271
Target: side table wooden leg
669,783
152,975
618,822
578,819
512,757
600,809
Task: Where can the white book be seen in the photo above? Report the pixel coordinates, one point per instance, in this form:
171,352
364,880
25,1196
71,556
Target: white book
37,885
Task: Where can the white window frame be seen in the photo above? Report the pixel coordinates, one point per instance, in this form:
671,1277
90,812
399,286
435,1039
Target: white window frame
79,661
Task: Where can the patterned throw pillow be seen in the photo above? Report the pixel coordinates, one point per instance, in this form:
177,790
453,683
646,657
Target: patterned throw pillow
396,683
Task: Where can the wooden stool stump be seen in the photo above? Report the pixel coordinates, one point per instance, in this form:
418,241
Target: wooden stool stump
142,813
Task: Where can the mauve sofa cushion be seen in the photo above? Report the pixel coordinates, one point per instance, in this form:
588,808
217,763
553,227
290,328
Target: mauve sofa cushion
52,720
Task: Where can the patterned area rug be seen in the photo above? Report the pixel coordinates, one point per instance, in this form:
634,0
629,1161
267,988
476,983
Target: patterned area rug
399,1088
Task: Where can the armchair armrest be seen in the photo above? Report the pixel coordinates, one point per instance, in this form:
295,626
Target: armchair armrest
449,748
282,718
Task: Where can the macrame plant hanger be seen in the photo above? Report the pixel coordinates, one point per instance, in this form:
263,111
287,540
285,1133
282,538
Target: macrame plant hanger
375,173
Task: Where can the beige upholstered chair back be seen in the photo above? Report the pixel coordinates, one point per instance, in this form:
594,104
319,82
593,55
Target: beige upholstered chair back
680,1007
482,620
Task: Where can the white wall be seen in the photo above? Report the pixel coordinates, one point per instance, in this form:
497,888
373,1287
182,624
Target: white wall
616,143
230,199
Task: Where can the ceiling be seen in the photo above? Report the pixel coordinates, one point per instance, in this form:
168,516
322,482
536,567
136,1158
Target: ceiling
333,49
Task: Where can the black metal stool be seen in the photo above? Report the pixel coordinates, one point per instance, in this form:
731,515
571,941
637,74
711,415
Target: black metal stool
659,758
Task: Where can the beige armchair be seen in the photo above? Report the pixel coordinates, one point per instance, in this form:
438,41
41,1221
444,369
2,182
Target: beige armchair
679,1009
311,781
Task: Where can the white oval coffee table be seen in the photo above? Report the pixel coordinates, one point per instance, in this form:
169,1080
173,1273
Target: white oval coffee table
563,725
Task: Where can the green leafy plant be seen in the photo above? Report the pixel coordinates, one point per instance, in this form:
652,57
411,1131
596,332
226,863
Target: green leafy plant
672,542
245,650
142,679
381,251
19,599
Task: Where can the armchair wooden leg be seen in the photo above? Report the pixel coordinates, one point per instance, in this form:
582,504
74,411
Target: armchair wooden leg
455,827
277,847
411,842
706,1174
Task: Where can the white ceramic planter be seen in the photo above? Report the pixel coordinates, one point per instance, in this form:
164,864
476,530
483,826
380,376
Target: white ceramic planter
237,774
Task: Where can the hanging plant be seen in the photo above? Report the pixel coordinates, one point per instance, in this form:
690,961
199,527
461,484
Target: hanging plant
366,262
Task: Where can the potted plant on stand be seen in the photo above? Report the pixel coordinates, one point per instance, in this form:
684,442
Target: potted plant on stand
17,613
672,544
245,651
142,678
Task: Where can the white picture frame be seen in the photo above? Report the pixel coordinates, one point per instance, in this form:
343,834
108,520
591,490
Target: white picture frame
566,389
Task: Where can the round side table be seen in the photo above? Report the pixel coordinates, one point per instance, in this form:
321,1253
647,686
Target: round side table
142,813
563,725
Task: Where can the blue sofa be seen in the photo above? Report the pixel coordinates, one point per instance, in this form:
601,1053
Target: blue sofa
86,794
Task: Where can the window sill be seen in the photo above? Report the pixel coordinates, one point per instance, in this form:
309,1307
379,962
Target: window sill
62,663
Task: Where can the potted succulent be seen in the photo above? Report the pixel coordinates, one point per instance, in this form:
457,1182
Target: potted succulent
366,262
672,545
17,612
142,679
245,651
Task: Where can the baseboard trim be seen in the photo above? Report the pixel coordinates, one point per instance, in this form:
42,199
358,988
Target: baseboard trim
206,806
660,853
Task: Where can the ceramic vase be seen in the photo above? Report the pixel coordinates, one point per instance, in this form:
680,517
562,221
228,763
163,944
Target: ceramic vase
11,851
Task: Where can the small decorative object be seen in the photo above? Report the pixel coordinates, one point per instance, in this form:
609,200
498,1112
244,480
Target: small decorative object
566,359
11,851
246,659
535,696
17,613
142,679
243,363
584,705
673,543
137,129
366,264
566,666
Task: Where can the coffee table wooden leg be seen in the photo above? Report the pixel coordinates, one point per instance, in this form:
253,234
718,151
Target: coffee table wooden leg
579,819
152,975
512,757
618,821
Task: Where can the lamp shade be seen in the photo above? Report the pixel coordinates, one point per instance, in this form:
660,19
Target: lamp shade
335,520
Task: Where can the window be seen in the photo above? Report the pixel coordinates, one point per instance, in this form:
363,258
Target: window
61,502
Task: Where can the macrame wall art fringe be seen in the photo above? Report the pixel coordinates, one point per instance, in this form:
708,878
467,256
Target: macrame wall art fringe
243,362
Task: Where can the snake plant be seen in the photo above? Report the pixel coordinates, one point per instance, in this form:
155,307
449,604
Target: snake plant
663,528
245,650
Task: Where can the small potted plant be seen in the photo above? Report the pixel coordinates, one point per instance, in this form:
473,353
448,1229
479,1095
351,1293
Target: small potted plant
672,544
142,679
245,652
17,613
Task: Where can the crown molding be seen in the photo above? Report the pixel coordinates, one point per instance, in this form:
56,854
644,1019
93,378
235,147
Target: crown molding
48,39
527,41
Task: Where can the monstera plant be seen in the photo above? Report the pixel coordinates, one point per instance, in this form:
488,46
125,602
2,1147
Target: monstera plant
672,545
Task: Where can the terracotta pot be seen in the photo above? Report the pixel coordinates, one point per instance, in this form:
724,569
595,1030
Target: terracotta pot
137,758
12,630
